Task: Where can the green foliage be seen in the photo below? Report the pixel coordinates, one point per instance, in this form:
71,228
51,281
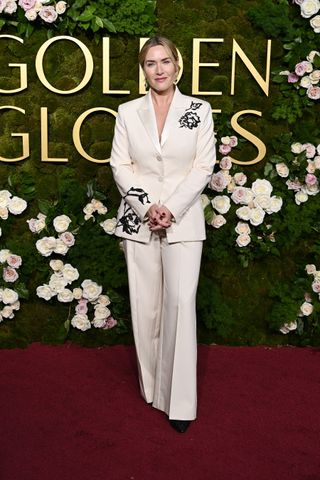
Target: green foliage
273,18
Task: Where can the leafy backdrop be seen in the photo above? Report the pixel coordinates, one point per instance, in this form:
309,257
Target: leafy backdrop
246,293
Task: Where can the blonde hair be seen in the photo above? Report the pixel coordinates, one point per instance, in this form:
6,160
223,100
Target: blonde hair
159,40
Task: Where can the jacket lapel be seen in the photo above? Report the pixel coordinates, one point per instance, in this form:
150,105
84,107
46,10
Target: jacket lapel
174,113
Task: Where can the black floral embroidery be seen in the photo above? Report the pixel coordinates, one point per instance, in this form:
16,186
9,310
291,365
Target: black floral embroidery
190,119
130,222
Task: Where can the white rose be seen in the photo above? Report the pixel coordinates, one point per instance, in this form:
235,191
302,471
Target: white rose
297,148
56,265
4,254
36,225
311,189
257,216
315,23
315,286
31,14
218,221
221,203
61,223
244,213
261,187
99,322
225,140
310,269
4,213
309,149
67,238
109,225
231,186
312,55
316,162
309,8
101,311
45,292
15,305
48,14
243,240
60,247
275,204
282,170
77,293
225,163
313,92
104,300
262,201
287,327
46,245
17,205
89,209
96,204
65,296
315,75
305,82
306,309
240,178
7,312
81,322
204,200
102,211
311,168
242,228
5,196
9,296
61,7
70,274
11,7
91,290
219,181
300,197
57,283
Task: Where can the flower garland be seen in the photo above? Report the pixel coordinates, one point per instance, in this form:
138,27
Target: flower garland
35,8
306,75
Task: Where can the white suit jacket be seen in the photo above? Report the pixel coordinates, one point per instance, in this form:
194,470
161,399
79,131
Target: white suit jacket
172,172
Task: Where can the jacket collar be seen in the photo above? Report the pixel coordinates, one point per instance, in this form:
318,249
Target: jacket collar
147,115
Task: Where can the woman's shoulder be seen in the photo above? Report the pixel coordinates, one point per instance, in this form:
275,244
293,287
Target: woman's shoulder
194,103
130,105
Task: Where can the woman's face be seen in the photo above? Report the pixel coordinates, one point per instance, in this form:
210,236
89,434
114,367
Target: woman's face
159,69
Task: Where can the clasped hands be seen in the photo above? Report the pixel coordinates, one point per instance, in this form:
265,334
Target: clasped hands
159,217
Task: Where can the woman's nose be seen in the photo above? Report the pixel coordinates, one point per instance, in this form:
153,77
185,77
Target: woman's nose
159,68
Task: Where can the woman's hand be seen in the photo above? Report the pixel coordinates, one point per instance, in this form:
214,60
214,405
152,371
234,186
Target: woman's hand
159,217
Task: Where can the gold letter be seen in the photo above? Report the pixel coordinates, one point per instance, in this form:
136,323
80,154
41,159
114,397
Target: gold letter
196,65
264,84
76,132
106,68
142,88
249,136
23,69
44,139
87,56
25,139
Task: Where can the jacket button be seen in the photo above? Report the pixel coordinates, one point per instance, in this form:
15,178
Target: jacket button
159,158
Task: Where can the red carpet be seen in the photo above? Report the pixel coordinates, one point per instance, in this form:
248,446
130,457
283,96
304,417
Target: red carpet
71,413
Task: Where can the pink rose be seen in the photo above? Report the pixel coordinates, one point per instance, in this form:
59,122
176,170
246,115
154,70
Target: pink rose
301,68
224,149
316,286
10,274
26,4
311,179
110,323
293,185
313,93
67,238
292,78
225,163
82,308
48,14
219,182
233,141
240,178
309,149
14,261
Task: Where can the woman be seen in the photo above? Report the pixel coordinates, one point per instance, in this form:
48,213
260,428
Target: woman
162,157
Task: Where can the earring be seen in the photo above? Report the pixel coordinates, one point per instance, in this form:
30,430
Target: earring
146,84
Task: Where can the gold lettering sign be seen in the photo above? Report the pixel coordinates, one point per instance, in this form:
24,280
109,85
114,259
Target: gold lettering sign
263,84
87,56
23,70
45,140
249,136
106,69
24,136
76,132
196,64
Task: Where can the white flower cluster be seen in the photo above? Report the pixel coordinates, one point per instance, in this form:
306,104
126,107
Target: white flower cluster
48,245
92,207
255,201
35,8
306,308
10,204
308,9
10,299
109,225
310,186
89,293
13,262
36,225
306,76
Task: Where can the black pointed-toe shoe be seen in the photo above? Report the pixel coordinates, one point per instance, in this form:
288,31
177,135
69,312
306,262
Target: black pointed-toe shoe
180,426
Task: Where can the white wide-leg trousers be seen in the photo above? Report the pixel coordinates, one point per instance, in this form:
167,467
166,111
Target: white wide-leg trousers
163,281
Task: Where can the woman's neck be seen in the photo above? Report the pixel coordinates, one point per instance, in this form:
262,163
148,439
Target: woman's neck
161,99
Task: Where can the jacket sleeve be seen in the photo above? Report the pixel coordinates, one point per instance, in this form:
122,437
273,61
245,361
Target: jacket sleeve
191,187
130,189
